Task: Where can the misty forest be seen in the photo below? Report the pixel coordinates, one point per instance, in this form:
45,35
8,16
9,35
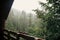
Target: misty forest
44,23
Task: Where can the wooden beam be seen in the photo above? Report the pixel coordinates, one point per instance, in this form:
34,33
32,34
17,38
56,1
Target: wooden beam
5,6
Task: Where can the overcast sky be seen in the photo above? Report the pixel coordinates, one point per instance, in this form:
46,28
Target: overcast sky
26,5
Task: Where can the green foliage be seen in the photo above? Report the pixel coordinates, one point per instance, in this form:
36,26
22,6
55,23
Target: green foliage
51,17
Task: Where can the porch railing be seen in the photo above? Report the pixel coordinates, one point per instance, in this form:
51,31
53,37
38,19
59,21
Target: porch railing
9,35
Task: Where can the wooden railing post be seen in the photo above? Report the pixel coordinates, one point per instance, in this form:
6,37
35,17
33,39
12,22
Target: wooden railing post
18,38
8,35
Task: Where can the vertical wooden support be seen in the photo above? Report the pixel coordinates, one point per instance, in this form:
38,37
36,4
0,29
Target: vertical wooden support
5,6
8,35
18,37
1,28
